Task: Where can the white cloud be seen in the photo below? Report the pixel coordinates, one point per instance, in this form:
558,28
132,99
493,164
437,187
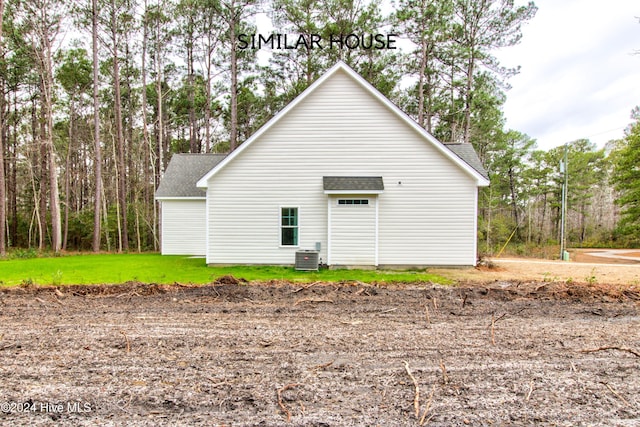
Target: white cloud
579,78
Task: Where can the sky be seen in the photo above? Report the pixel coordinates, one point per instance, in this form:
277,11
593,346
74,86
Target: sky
579,77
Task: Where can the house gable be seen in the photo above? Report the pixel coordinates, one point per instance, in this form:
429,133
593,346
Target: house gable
462,162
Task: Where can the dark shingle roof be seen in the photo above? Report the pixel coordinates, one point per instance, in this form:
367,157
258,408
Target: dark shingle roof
352,183
183,173
469,155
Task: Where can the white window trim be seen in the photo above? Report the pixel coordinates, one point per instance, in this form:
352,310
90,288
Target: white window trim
280,245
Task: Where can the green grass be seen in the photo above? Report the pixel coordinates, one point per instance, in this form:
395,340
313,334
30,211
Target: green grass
154,268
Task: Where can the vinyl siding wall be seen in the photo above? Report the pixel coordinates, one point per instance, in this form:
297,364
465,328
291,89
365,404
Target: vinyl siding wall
183,227
427,213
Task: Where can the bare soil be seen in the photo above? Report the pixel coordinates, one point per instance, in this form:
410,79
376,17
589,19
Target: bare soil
236,354
583,268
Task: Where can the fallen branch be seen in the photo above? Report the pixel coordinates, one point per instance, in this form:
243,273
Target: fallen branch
445,377
426,410
416,398
323,365
352,323
300,301
612,347
127,340
539,287
8,346
616,394
493,329
217,384
492,325
501,317
128,294
281,404
464,299
305,287
530,391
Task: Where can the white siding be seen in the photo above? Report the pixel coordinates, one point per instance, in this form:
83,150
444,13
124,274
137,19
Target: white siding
426,213
183,227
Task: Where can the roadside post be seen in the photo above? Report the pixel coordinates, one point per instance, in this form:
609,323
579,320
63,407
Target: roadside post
564,169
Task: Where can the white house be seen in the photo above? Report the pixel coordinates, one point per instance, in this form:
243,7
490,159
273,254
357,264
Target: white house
341,170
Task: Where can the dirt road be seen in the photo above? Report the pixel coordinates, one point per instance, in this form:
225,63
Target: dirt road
602,266
323,355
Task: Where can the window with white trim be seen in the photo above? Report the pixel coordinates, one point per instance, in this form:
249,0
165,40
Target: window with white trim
289,226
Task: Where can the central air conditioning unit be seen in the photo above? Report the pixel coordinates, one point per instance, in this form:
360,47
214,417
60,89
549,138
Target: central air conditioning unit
307,260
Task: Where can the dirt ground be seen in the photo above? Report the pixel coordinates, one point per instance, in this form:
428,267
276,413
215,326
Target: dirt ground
351,354
583,267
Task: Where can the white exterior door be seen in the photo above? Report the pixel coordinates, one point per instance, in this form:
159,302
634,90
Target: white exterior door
353,230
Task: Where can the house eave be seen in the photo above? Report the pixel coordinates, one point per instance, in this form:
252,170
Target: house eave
363,192
164,198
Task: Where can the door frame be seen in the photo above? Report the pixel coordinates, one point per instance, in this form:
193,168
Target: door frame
331,200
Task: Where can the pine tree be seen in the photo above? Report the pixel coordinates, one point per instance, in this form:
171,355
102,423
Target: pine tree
627,181
3,205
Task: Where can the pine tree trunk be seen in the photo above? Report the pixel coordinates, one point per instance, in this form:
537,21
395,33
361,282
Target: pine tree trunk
233,128
120,143
54,195
3,206
13,180
42,172
468,96
423,67
148,151
211,49
160,112
67,178
193,142
97,152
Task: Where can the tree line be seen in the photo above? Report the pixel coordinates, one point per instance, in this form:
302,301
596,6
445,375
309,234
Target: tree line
98,94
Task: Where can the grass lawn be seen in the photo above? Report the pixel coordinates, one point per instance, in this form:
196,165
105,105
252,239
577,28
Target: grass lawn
155,268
